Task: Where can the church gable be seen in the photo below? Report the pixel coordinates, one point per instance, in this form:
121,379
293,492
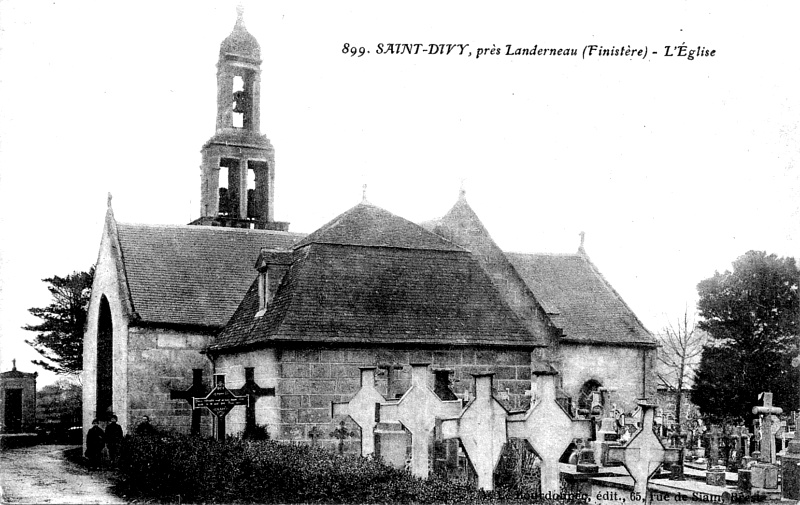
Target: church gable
191,275
579,300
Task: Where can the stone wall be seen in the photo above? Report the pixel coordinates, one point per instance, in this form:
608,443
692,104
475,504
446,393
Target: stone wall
628,369
266,374
161,361
106,284
308,379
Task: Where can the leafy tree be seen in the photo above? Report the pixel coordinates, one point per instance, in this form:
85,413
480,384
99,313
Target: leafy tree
752,317
681,346
60,335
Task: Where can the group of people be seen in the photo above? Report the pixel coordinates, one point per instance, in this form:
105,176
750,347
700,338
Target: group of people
111,438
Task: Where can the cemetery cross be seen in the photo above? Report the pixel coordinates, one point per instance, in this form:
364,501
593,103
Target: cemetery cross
220,401
253,392
196,390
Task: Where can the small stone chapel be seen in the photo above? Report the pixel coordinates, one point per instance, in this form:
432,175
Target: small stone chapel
292,318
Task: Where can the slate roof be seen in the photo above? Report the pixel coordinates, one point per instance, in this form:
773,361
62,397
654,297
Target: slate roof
357,294
369,276
191,275
579,300
368,225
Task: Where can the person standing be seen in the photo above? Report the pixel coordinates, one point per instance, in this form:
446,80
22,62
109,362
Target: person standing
113,438
94,445
145,428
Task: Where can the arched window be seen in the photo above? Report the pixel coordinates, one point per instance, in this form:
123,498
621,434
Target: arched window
105,375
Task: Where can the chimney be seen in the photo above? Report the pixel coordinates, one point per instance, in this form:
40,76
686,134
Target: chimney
272,265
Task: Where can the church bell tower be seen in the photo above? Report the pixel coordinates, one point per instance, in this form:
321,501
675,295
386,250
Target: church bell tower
238,169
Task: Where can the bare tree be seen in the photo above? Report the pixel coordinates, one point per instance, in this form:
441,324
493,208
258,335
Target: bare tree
681,346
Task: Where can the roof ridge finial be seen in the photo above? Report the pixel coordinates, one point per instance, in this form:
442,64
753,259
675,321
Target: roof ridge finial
109,200
581,250
364,193
462,193
240,15
14,365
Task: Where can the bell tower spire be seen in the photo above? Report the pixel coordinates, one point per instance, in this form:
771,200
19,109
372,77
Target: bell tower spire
238,170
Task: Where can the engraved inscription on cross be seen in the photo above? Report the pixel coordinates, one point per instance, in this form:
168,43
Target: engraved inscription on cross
220,401
482,430
644,453
417,410
253,392
362,409
197,390
548,428
767,435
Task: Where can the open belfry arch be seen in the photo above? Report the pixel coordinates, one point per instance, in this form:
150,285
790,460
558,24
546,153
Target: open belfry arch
300,323
238,156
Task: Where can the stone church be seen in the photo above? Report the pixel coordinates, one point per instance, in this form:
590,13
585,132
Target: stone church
291,318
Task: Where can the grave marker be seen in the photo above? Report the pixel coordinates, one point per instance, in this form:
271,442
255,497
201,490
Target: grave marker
548,428
253,392
220,401
767,434
362,408
196,390
417,411
481,429
644,453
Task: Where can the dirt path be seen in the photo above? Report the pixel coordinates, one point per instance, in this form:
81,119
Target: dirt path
41,474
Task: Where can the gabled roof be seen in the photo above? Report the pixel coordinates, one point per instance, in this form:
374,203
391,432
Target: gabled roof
191,275
359,294
370,226
579,300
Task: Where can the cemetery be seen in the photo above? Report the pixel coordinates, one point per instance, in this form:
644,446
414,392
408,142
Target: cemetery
428,444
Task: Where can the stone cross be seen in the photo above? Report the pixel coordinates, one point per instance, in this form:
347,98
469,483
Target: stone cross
362,408
644,453
196,390
220,401
341,433
253,391
713,445
481,429
767,437
390,382
417,410
548,428
314,434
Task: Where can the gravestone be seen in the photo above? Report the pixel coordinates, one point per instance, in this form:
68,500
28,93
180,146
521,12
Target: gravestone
253,392
416,411
713,435
548,428
362,408
219,401
765,473
644,453
197,389
767,427
481,429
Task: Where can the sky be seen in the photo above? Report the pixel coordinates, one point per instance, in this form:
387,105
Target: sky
673,167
